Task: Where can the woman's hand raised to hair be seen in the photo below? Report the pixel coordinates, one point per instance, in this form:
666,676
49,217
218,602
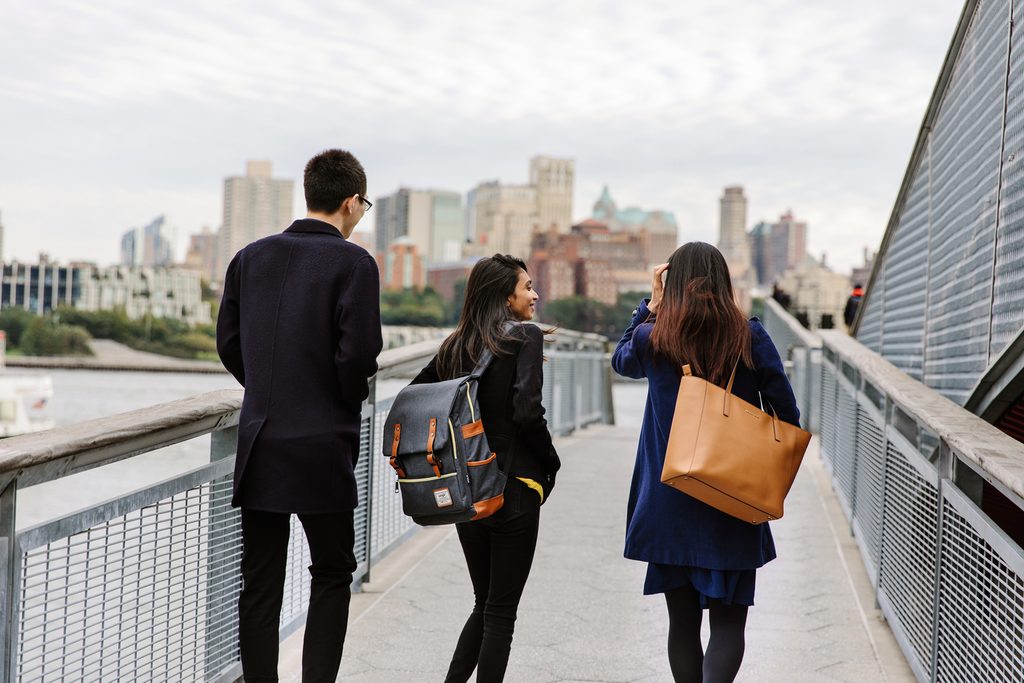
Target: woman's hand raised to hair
657,287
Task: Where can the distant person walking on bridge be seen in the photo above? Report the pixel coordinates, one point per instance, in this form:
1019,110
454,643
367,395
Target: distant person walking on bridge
499,549
699,557
299,328
852,304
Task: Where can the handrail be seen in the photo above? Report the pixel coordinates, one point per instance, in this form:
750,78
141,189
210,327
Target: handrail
74,448
82,446
974,439
184,529
806,337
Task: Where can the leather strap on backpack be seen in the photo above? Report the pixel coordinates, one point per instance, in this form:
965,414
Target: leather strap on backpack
431,460
394,451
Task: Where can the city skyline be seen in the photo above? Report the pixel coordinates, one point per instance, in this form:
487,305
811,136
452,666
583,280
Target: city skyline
123,113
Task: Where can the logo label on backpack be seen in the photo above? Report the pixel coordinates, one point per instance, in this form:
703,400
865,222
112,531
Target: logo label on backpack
443,497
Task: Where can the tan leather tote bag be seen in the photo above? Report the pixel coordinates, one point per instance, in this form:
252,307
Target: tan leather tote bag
730,454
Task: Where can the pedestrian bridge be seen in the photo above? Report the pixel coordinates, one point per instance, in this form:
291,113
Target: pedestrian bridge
888,567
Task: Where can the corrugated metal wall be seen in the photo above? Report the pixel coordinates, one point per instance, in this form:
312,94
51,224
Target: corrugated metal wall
904,297
869,332
948,296
1008,305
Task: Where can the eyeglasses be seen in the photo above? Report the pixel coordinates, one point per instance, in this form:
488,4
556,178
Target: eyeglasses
367,204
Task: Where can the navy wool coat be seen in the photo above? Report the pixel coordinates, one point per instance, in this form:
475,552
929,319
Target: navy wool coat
299,328
664,525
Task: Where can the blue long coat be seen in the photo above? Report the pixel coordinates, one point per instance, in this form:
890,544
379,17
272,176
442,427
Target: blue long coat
666,526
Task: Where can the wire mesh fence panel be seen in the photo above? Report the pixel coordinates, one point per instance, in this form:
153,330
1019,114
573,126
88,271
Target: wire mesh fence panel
981,599
909,550
149,595
829,423
389,523
845,453
870,488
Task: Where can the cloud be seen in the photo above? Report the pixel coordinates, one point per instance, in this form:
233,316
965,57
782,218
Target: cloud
114,110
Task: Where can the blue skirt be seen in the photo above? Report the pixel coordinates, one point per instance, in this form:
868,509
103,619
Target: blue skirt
732,587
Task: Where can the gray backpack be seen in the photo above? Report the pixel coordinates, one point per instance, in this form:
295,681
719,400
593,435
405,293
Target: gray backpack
434,437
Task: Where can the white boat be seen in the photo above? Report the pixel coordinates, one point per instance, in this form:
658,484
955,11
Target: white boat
25,404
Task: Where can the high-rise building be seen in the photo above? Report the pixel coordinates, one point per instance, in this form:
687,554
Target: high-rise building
151,245
658,230
201,256
759,241
732,234
502,218
788,244
432,219
256,205
505,217
777,247
469,214
554,180
446,228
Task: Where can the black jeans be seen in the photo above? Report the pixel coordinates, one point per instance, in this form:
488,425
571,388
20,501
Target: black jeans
499,552
264,557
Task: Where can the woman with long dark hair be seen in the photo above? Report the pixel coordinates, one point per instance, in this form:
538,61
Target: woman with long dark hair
499,549
699,557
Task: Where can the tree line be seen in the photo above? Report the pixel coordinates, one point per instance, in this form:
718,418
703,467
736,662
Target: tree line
67,332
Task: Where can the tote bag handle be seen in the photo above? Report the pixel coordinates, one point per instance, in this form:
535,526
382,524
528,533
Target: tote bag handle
728,394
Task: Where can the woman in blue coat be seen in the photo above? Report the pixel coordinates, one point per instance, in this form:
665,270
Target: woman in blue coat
698,557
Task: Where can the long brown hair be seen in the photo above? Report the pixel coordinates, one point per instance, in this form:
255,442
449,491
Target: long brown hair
698,321
484,314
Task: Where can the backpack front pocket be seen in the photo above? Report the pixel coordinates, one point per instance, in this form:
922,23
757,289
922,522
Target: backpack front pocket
434,496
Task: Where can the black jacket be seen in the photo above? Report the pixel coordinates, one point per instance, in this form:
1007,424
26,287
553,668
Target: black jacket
299,328
509,394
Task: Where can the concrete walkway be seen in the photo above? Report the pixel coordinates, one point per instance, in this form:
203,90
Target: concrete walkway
583,617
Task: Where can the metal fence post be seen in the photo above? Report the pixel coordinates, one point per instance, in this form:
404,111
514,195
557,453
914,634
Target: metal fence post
577,390
224,538
814,371
371,405
607,378
10,570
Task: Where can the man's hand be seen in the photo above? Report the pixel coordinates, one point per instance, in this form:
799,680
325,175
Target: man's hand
657,287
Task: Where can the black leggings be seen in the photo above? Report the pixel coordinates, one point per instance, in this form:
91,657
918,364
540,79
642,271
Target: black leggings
690,664
499,552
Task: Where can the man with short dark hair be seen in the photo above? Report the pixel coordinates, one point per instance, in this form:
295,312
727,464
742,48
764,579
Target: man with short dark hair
299,328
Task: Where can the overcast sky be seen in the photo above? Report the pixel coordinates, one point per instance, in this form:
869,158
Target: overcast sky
112,113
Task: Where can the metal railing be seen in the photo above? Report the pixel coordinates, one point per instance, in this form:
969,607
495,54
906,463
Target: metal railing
145,586
801,354
908,468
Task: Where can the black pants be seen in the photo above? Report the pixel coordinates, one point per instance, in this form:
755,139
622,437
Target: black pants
499,552
264,557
